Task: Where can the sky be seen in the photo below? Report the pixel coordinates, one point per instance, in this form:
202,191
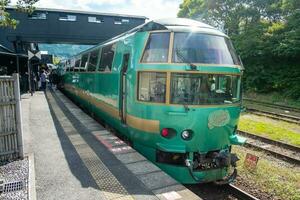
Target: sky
153,9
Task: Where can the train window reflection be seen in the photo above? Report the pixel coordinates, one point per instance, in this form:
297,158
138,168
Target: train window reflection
152,87
77,65
203,89
157,48
203,48
107,56
93,60
84,60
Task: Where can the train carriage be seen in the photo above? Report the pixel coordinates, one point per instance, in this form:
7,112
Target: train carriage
173,88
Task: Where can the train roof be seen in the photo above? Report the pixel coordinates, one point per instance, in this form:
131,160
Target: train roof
184,24
181,22
172,24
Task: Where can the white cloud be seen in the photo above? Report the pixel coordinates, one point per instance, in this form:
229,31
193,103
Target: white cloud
152,9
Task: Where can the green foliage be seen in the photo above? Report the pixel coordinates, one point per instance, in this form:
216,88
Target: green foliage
6,20
22,6
266,34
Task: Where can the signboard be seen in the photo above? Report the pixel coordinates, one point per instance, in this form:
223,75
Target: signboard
251,161
34,55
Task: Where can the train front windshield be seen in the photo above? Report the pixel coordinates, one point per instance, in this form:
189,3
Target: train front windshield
204,89
189,88
203,48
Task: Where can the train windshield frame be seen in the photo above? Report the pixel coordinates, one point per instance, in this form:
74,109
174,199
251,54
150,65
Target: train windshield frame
157,48
204,89
203,48
188,47
152,87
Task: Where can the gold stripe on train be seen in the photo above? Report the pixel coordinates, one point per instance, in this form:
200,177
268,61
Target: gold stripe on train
145,125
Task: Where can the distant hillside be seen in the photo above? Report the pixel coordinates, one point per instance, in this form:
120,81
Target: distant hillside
63,50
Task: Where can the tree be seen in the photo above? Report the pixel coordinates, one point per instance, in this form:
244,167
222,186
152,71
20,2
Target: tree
266,33
22,6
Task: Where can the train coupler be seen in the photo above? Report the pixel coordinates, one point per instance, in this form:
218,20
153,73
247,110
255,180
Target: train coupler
213,160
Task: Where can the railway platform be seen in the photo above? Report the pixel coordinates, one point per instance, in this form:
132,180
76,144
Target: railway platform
77,158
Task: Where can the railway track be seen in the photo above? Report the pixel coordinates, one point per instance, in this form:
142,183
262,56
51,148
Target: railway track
277,116
280,150
282,107
210,191
274,111
239,193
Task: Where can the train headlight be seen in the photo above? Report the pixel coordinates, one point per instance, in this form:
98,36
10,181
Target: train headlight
187,134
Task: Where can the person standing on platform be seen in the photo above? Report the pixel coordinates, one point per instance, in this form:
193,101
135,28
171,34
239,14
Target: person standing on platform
43,78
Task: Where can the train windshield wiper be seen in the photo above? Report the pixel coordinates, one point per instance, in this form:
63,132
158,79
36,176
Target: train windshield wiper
184,59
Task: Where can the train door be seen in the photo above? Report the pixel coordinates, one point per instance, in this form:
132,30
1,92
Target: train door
123,88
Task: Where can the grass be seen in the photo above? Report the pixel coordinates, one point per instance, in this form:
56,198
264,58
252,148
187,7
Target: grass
280,131
274,97
283,182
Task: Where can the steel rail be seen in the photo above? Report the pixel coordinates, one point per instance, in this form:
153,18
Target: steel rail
283,107
269,141
239,193
277,116
279,155
214,191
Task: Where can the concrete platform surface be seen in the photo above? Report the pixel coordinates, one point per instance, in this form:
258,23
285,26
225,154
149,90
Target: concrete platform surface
76,158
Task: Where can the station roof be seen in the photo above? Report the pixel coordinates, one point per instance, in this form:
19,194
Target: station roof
83,12
4,49
8,52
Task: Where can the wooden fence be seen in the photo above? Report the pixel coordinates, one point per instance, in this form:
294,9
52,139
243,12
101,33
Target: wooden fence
11,141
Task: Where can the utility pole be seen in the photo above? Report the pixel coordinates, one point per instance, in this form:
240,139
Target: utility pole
29,77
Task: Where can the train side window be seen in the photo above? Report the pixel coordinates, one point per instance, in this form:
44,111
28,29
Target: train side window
77,65
107,56
84,60
152,86
157,48
93,60
72,64
67,66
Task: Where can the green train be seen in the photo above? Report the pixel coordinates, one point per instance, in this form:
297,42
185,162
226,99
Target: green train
171,87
